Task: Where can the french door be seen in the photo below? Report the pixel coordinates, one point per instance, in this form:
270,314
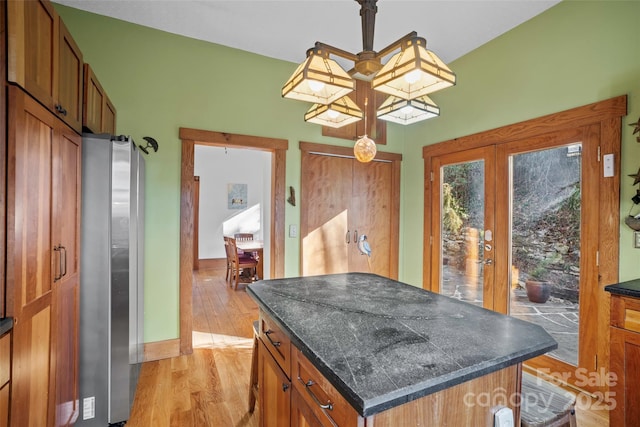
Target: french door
505,214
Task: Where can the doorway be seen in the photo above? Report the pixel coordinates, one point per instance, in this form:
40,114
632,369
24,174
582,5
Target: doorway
191,137
524,202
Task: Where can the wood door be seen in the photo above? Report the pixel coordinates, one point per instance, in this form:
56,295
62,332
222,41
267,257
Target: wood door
341,199
65,238
33,48
462,223
325,209
29,257
373,210
274,390
70,78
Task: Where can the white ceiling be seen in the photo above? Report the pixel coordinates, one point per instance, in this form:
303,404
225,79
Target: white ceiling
286,29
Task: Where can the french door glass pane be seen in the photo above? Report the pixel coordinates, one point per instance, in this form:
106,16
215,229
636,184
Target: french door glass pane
462,224
545,243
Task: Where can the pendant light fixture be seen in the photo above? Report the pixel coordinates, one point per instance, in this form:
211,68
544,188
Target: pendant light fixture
408,76
403,111
365,148
337,114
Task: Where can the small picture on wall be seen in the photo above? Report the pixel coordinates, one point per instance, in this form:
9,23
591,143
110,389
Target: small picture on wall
237,196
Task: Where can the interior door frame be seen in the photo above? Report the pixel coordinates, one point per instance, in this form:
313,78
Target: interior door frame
606,117
191,137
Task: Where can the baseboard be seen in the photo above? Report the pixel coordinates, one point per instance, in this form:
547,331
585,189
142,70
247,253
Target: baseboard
213,263
161,349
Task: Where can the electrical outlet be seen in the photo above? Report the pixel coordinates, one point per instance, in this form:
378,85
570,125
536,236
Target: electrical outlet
88,408
293,230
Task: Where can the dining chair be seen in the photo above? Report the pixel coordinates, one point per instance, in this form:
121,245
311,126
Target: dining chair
240,263
227,250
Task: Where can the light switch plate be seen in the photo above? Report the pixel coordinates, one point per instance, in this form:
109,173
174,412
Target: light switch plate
293,230
636,239
608,165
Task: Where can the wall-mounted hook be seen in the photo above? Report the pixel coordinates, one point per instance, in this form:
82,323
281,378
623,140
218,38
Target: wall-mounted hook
150,143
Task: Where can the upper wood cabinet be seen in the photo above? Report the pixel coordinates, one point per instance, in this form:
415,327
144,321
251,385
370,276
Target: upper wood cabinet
376,129
44,59
99,114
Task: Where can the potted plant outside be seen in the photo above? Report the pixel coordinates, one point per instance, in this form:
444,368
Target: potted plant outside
538,289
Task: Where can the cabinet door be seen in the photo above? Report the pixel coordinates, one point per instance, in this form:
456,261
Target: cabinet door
70,77
625,363
301,413
4,406
108,117
94,101
274,391
29,255
65,237
33,48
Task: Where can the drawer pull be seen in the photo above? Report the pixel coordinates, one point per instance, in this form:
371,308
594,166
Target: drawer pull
308,385
273,343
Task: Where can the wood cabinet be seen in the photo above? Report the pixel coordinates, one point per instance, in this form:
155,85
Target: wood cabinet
99,114
274,390
44,59
342,199
375,129
625,360
304,397
43,205
5,377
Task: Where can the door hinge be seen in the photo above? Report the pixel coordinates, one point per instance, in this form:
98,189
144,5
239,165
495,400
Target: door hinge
431,240
597,258
598,153
431,176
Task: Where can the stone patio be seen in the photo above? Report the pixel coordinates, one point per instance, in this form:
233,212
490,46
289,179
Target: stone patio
557,316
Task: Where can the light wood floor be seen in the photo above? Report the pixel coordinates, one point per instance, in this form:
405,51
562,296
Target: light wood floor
209,388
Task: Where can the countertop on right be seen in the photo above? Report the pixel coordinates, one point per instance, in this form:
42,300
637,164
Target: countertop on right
629,289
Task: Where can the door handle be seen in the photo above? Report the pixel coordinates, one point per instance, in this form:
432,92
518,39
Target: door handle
355,236
62,248
58,275
346,238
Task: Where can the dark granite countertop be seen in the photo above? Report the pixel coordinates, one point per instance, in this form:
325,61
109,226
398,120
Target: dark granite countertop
630,288
6,325
382,343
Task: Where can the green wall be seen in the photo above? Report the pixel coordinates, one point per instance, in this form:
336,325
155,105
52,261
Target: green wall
576,53
573,54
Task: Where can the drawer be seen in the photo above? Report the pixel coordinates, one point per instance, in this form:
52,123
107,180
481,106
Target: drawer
5,358
625,313
327,404
276,341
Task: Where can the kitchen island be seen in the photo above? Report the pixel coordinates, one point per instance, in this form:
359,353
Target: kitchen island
388,351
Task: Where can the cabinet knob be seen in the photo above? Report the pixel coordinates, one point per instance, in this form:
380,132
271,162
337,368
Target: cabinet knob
285,386
61,110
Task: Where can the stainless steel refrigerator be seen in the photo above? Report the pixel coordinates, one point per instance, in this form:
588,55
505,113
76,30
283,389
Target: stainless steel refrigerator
111,278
